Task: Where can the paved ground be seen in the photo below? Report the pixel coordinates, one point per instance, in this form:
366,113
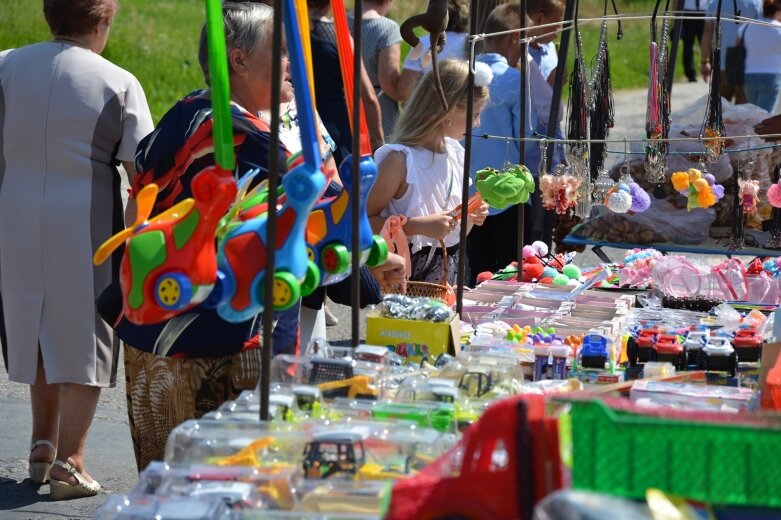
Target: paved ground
109,449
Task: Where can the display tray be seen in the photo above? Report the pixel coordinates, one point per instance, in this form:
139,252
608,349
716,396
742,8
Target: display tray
707,248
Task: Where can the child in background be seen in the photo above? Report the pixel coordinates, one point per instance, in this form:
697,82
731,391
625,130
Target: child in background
455,47
543,50
494,246
421,174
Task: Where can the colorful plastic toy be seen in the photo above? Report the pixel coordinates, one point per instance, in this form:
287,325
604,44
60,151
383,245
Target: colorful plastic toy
329,229
594,352
242,251
169,264
501,467
748,344
639,347
718,356
669,348
695,340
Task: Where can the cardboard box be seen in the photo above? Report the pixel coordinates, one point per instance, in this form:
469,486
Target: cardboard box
747,376
414,340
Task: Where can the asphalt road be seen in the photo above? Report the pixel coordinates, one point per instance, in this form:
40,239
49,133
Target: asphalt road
109,448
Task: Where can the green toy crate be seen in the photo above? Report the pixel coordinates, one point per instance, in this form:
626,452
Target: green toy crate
721,459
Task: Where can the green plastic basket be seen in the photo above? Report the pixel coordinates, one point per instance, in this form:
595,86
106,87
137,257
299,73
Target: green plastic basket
713,458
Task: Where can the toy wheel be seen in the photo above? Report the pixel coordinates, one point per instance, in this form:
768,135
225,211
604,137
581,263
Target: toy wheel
733,364
335,259
215,297
287,290
310,253
298,185
378,253
702,360
683,360
312,280
173,291
631,352
653,355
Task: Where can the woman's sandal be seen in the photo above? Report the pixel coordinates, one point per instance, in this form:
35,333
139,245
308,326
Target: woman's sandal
62,490
39,471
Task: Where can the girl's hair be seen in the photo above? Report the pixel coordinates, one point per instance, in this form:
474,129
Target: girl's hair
458,16
423,114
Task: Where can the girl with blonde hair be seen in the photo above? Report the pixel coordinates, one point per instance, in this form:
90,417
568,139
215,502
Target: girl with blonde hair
421,173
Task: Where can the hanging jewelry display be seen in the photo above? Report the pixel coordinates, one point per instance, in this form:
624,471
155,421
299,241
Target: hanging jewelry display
657,125
577,130
774,198
713,125
737,239
601,113
559,191
749,189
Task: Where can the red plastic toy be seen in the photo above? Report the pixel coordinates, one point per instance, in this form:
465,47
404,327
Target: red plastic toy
639,348
669,348
748,344
502,466
170,262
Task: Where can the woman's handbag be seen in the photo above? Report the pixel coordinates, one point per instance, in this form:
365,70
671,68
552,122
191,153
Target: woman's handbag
735,71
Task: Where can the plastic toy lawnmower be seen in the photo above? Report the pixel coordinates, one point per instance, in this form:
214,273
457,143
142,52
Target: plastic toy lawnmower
170,263
329,229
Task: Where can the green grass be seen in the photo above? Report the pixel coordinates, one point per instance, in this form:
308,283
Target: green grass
629,56
157,41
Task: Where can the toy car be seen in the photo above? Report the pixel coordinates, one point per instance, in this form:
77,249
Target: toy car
329,228
669,348
372,353
695,340
170,264
336,378
748,344
718,356
639,348
593,351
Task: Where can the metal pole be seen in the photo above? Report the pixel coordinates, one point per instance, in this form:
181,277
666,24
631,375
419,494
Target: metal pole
561,71
522,149
677,26
356,155
470,105
271,228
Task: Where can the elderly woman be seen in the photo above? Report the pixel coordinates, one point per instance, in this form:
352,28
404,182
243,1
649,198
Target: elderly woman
172,377
67,118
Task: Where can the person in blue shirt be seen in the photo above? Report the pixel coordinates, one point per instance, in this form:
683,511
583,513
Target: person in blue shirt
493,246
729,35
542,50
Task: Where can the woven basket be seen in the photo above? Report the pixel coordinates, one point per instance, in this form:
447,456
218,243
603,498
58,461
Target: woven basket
428,289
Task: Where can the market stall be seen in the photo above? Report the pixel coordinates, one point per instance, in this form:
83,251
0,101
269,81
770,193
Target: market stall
615,391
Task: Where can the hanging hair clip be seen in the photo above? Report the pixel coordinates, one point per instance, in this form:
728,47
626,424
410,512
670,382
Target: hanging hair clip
701,191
